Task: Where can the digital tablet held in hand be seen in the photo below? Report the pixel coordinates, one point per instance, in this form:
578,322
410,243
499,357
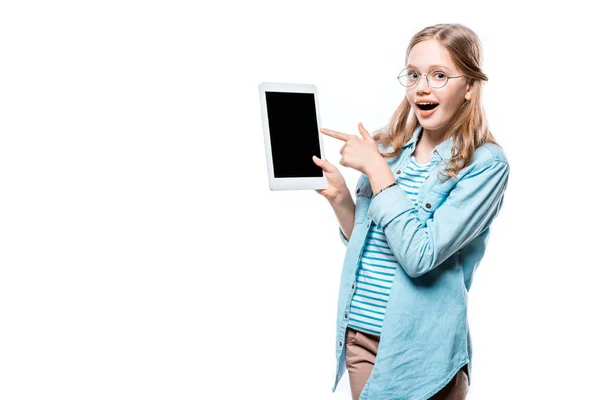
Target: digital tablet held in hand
291,125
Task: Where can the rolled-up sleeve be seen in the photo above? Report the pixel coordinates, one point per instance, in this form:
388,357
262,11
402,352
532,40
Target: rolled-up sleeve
469,209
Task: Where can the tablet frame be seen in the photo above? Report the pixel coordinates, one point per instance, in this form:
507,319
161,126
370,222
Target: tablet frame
289,183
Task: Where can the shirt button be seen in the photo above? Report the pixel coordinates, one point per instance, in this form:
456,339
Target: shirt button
345,315
398,172
358,190
340,343
353,286
428,205
435,152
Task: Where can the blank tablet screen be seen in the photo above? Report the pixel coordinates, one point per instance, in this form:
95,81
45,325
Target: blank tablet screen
294,134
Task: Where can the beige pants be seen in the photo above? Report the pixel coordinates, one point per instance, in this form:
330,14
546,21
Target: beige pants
361,349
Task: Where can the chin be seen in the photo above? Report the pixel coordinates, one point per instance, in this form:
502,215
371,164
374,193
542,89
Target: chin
430,125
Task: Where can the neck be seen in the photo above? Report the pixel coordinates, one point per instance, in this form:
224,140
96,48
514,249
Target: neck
429,139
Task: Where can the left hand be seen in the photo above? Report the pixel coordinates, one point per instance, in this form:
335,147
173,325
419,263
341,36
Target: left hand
360,154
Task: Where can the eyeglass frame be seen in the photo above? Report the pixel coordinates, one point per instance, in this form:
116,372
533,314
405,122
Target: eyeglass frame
427,79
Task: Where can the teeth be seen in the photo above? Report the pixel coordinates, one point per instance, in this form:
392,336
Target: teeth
426,103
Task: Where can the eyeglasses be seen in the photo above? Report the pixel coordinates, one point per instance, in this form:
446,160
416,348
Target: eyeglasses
436,78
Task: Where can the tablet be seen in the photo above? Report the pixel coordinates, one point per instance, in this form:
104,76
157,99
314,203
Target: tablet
291,126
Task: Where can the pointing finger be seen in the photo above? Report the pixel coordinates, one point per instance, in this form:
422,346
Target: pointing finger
335,134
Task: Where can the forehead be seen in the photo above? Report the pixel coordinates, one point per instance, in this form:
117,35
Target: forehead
428,54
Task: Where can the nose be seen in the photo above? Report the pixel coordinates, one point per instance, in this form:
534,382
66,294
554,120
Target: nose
422,84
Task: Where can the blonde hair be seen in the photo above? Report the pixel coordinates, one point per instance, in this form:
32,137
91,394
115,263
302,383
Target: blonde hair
468,127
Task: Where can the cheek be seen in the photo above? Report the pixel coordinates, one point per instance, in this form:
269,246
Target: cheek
451,104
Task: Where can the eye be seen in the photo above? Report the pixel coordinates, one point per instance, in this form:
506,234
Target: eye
438,75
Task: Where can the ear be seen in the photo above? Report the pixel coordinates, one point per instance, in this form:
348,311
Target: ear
469,92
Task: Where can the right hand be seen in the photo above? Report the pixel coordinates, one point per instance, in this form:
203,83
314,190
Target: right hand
336,184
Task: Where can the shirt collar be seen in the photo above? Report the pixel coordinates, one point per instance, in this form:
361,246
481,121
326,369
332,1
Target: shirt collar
441,151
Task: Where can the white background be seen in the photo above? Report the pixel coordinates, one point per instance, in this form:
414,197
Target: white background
143,256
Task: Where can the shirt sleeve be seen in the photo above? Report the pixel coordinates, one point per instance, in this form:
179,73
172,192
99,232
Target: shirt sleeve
468,209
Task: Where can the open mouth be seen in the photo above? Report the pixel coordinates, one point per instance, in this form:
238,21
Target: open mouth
427,106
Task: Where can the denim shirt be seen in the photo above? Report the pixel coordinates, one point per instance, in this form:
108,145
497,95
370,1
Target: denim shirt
438,244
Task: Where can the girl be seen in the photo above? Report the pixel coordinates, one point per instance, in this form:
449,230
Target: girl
419,227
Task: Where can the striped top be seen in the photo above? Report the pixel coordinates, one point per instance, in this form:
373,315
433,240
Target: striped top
377,264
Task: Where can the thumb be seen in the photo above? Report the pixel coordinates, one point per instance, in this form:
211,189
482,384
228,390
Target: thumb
326,165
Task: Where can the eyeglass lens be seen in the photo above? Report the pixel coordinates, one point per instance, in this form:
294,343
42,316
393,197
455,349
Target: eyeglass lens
437,78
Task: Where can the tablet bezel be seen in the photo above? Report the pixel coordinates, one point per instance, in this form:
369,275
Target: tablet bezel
289,183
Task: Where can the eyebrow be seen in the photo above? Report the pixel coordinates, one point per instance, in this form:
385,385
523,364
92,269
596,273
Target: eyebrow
431,66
